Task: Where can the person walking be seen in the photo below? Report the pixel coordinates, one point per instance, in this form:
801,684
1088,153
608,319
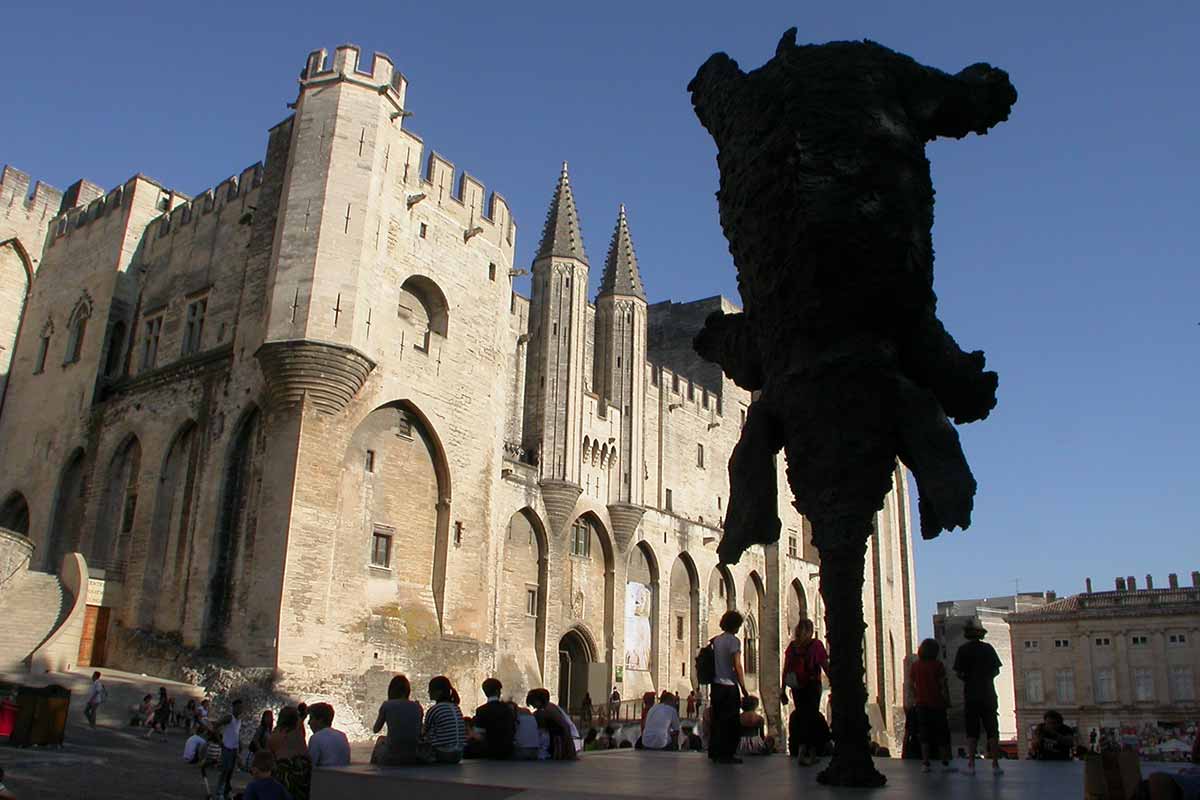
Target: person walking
977,665
161,716
691,704
933,698
96,695
804,661
728,686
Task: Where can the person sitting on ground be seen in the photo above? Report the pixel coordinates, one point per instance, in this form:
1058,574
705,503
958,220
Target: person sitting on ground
609,738
591,740
624,743
5,794
264,786
302,711
933,697
752,741
402,716
293,767
661,729
691,741
197,743
557,725
1052,740
496,721
266,725
443,734
327,747
525,736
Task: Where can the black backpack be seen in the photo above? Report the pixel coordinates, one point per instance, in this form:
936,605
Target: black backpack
706,664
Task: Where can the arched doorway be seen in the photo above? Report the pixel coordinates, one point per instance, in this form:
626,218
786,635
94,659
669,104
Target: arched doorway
236,521
67,515
684,620
575,662
14,514
520,657
118,505
753,599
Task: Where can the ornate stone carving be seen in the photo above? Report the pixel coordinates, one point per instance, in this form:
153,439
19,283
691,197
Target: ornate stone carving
827,203
330,374
625,519
559,498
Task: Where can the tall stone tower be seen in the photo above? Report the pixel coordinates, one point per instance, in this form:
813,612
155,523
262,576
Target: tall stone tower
620,369
317,324
555,367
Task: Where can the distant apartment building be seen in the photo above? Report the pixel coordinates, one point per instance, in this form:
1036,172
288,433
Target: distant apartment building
948,623
1119,664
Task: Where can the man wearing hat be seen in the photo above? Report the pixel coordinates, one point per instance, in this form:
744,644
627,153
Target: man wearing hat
977,666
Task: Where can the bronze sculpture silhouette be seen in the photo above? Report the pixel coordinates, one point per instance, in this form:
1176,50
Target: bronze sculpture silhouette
827,203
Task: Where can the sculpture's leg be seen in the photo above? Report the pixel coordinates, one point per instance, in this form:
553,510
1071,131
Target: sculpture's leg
842,566
751,517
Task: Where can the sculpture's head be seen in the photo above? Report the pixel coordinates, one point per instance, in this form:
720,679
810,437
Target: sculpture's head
713,90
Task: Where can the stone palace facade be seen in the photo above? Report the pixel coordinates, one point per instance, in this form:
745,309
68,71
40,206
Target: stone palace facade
302,421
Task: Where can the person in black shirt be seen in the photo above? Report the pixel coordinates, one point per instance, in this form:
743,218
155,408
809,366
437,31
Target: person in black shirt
496,721
977,666
1053,740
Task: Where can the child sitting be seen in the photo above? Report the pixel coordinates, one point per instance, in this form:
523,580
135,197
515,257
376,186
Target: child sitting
263,786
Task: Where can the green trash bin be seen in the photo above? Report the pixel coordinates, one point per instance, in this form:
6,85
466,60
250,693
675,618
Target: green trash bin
41,716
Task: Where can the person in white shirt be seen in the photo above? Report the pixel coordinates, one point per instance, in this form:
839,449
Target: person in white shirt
193,748
326,747
662,725
231,743
96,695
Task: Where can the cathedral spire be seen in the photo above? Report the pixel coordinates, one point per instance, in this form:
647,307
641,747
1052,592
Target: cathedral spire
621,274
561,236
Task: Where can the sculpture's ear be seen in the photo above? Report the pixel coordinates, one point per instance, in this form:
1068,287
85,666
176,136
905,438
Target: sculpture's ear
786,42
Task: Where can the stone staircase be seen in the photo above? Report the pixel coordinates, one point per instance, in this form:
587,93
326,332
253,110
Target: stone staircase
32,605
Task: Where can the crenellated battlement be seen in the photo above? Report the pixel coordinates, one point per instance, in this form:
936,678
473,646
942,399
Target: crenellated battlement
462,195
224,193
84,204
684,391
44,202
382,76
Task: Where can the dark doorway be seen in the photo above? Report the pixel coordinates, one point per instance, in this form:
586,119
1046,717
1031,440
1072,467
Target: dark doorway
574,656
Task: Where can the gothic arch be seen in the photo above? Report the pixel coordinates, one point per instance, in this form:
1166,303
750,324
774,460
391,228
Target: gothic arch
797,605
606,619
14,513
684,621
414,452
118,507
525,565
77,329
641,612
722,597
67,512
170,531
236,523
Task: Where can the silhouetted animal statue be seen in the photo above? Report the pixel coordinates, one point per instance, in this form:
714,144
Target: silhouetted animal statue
827,203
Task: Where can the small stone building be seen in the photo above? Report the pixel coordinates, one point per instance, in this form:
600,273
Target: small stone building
303,421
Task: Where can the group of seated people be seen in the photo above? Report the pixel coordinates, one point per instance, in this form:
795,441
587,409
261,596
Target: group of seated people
499,730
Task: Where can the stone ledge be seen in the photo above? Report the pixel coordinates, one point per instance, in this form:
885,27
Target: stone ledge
329,374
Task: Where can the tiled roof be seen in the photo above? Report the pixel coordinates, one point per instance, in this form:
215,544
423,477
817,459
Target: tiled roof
1149,602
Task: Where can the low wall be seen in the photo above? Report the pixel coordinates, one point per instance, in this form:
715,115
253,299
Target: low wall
16,551
60,651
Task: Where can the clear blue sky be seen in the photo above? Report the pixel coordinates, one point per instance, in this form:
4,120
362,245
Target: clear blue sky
1066,239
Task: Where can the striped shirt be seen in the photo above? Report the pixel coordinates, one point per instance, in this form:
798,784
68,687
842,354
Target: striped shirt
444,727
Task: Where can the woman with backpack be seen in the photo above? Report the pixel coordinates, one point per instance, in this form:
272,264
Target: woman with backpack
723,657
803,662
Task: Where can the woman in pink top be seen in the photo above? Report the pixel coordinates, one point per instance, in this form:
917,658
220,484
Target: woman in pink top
803,662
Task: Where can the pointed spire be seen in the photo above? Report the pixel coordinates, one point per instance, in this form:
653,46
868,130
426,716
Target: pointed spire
561,236
621,274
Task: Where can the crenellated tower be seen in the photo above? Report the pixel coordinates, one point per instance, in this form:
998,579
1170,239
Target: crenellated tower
345,113
554,387
619,369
